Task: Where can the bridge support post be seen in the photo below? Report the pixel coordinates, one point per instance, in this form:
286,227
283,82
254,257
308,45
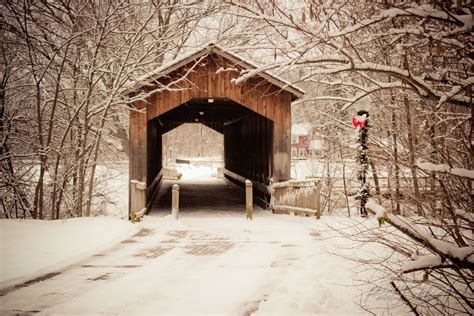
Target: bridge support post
133,200
137,200
220,172
249,199
318,199
175,201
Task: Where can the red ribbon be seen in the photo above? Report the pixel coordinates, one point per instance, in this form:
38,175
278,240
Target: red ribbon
356,122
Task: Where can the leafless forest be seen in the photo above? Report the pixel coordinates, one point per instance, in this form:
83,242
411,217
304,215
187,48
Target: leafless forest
65,66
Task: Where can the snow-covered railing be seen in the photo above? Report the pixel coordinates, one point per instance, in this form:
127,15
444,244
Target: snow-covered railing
137,200
171,174
175,201
238,178
234,176
298,197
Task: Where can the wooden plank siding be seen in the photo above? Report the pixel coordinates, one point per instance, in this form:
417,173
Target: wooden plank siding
256,94
138,142
256,146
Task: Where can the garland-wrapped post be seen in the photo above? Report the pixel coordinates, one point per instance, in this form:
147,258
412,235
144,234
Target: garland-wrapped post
361,123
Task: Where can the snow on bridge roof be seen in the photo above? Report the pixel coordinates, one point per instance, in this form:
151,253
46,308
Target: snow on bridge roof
214,48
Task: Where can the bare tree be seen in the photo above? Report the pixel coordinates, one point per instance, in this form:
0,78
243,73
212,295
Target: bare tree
411,62
69,65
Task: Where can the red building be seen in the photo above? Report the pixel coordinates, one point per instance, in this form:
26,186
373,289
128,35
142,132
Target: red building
299,146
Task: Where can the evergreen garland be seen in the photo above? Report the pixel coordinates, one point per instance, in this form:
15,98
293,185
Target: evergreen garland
363,160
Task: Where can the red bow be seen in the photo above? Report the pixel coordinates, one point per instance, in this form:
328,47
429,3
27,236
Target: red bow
357,122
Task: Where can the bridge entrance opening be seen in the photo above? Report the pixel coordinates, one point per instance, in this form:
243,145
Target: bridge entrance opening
243,137
251,109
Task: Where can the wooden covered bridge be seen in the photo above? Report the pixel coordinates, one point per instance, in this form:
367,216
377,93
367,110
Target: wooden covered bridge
254,115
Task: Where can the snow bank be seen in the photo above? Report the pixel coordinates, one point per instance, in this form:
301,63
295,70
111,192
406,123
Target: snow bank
195,172
28,247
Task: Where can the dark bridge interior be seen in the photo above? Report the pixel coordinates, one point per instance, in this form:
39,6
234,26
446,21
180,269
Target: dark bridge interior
247,138
214,113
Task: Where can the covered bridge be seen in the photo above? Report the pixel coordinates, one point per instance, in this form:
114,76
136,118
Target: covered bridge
254,115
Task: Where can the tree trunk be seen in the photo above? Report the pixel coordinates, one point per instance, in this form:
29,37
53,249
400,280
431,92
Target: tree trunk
471,224
397,167
375,176
51,127
344,181
411,149
38,200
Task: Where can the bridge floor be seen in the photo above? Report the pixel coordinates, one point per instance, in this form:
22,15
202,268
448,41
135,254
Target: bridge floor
201,195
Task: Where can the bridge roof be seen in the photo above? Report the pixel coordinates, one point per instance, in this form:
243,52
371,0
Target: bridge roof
254,70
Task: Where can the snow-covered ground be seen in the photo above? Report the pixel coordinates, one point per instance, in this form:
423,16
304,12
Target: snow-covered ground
201,264
29,247
196,172
313,168
208,262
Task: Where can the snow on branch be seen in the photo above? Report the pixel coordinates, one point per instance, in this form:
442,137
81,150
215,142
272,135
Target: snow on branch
461,257
422,262
443,168
336,98
421,11
222,69
465,216
417,83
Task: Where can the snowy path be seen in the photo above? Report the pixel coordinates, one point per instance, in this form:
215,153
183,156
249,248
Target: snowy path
275,265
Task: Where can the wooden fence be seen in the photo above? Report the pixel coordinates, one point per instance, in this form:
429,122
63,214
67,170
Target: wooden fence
336,191
297,197
383,182
137,200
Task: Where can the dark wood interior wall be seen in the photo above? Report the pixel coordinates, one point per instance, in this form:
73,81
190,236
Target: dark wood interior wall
154,153
248,148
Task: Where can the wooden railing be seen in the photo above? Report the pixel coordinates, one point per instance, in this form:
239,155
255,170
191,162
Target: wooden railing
249,186
137,200
175,201
337,191
153,188
238,178
297,197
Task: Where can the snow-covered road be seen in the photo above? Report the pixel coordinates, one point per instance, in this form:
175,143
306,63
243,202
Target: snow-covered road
206,264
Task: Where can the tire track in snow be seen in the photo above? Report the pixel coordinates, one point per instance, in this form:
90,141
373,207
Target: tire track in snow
26,297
